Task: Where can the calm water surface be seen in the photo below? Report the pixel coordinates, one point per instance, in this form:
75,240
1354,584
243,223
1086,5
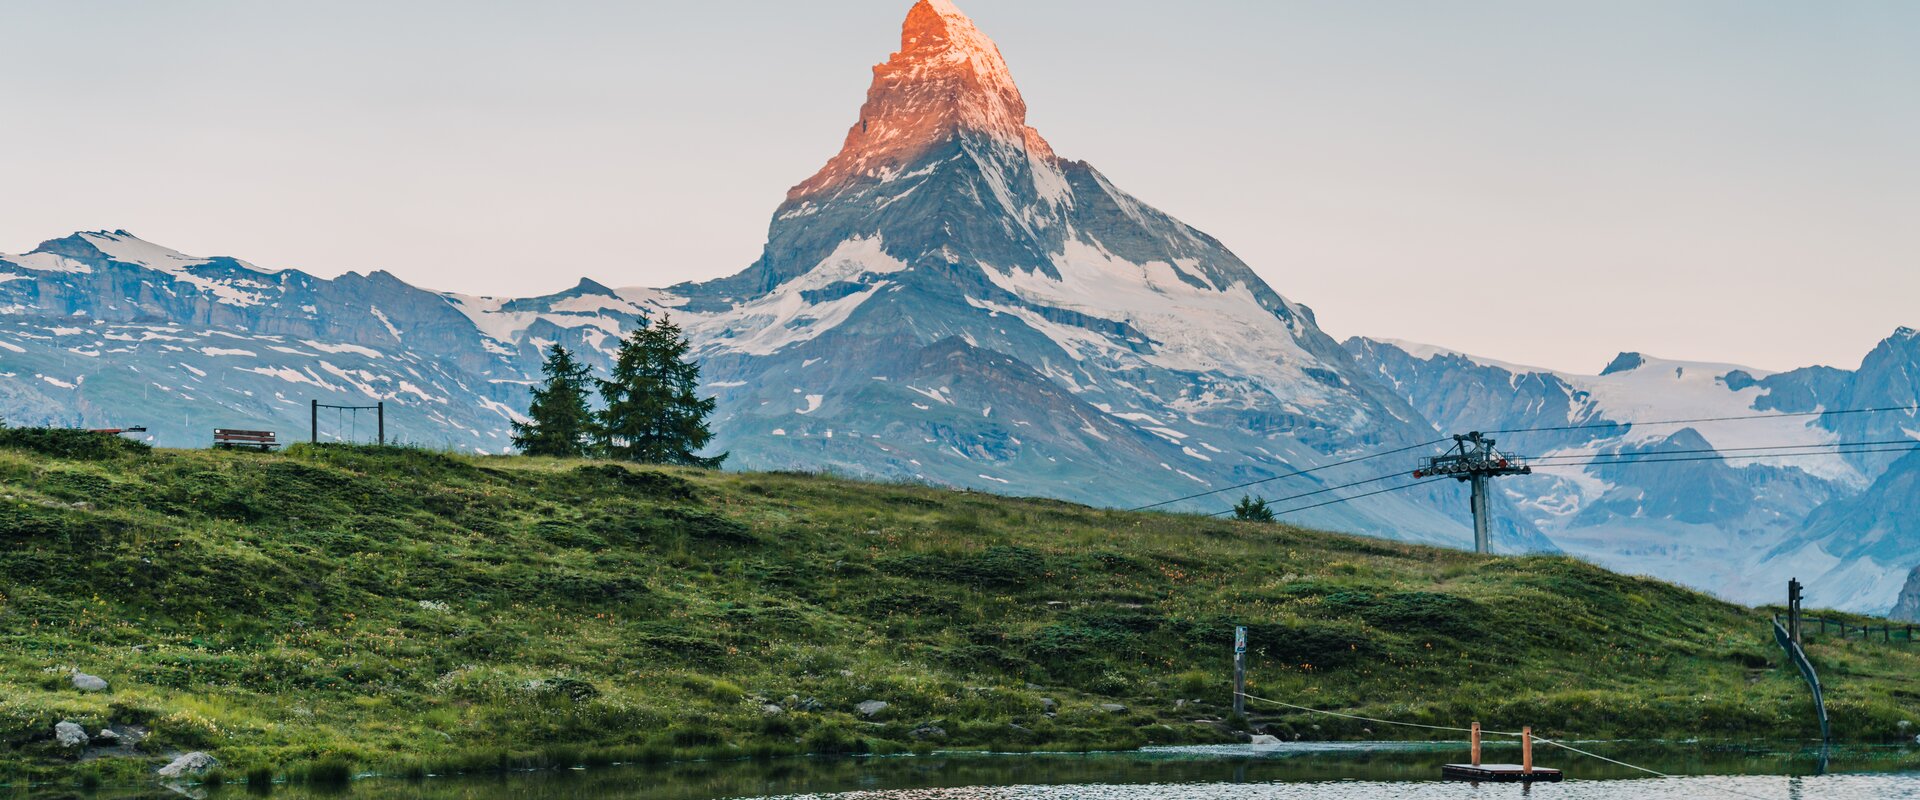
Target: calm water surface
1287,772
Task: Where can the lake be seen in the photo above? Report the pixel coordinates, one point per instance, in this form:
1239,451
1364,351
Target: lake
1322,771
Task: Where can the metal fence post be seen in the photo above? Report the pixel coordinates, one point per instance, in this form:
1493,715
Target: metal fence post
1240,671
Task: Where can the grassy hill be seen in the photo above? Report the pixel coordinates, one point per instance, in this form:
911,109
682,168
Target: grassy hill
410,611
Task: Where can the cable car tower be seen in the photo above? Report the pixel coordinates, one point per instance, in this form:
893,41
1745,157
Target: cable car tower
1474,460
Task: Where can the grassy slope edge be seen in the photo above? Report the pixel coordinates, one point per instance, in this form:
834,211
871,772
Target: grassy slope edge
411,611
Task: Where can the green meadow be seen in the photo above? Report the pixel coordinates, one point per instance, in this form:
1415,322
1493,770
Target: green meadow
333,610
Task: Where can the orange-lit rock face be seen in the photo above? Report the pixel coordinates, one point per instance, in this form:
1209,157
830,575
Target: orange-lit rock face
947,78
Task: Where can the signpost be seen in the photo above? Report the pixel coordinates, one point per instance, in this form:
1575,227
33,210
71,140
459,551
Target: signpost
1240,671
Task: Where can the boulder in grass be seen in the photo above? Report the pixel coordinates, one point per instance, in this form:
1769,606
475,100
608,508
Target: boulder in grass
1113,708
191,765
871,708
70,735
89,683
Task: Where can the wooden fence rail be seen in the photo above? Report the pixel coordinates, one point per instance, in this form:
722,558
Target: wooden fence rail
1889,633
1805,665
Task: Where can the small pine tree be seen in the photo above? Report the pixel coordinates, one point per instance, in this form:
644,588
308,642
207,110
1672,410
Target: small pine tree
1252,509
652,415
559,421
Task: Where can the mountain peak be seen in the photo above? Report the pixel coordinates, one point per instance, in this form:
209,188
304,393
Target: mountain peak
1625,362
948,79
117,245
944,8
591,286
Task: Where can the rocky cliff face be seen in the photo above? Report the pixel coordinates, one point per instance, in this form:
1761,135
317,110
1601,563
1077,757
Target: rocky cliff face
1907,608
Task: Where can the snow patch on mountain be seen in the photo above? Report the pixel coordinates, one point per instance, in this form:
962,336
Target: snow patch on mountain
787,316
1191,329
342,348
1661,389
1428,352
126,248
47,262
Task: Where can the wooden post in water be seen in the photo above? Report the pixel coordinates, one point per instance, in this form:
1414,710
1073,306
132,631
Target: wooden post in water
1526,750
1476,744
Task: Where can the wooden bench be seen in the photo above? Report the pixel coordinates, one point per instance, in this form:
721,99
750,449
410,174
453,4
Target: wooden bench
229,439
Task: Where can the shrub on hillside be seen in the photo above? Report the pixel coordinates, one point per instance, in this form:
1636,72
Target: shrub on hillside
651,483
702,526
1408,612
1417,612
999,567
69,443
415,461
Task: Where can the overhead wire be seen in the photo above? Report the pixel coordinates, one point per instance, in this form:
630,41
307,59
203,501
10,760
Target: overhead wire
1597,426
1787,414
1363,496
1747,457
1329,489
1584,462
1296,474
1583,459
1538,459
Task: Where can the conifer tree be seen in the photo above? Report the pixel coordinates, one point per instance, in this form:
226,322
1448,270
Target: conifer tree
1252,509
652,414
559,422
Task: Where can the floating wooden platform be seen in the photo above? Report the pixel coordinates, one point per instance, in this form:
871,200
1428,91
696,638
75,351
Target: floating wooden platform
1499,773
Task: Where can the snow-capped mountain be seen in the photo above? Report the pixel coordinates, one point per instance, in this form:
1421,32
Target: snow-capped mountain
1842,522
947,300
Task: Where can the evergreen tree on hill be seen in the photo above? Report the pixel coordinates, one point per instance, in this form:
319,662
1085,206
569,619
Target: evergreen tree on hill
559,423
1252,509
652,415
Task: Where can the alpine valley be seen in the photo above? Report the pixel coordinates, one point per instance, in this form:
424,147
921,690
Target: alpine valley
948,301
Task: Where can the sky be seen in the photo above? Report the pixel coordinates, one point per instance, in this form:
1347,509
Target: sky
1547,183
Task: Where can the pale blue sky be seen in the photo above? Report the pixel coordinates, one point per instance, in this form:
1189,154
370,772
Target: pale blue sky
1544,182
